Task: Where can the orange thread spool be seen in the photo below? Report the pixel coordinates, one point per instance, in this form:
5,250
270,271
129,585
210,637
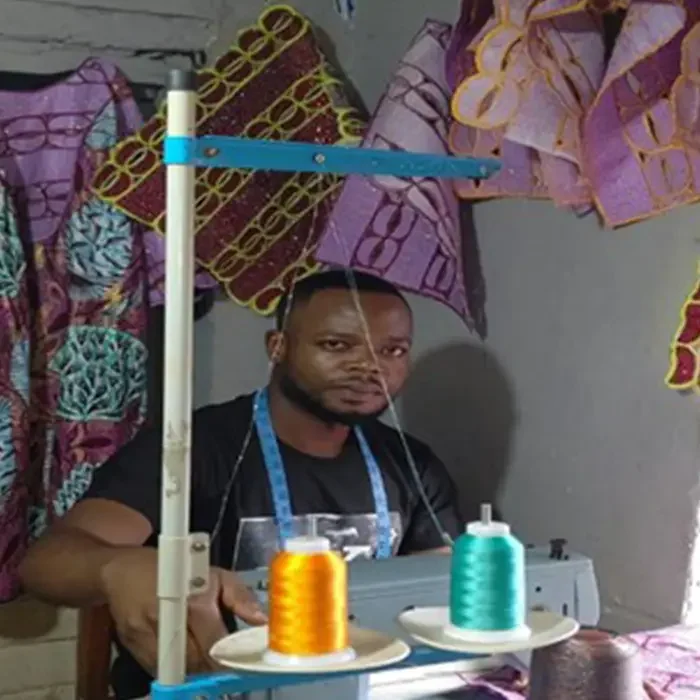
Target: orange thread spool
308,605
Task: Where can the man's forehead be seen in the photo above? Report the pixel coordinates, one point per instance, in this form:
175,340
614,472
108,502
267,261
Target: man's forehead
336,305
349,300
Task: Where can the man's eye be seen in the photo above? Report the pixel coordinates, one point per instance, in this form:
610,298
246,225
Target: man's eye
334,345
396,351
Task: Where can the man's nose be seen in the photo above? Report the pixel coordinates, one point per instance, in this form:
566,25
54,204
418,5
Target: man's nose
366,366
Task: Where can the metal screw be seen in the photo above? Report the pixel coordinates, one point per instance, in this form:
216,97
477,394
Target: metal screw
198,582
199,547
211,152
320,158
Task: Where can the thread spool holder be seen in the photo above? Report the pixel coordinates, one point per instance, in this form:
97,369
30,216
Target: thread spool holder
379,591
302,548
183,151
491,627
214,686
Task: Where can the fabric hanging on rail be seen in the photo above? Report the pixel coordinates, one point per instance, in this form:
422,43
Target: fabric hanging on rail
73,286
684,370
522,79
641,135
533,85
256,231
406,230
15,339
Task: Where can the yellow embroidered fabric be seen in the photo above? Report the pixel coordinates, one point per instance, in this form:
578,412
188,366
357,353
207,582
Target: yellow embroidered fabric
684,370
256,231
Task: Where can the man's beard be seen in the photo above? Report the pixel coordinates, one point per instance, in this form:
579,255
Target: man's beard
307,402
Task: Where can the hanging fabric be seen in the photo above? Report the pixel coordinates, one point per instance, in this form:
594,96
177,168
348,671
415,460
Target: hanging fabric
684,370
15,332
73,304
533,85
522,77
641,133
406,230
256,231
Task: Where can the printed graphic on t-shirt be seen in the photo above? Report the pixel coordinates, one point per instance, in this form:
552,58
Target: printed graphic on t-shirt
354,536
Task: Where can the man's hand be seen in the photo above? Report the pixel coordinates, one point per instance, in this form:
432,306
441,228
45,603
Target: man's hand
129,582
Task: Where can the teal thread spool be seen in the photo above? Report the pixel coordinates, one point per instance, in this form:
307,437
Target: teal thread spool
487,587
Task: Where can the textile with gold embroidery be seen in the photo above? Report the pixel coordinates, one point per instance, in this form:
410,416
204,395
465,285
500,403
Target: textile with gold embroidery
255,231
684,370
534,87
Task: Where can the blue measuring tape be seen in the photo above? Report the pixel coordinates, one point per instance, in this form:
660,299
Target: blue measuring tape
280,489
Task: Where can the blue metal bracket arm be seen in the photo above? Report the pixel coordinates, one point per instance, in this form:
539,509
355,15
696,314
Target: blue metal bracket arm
212,687
291,156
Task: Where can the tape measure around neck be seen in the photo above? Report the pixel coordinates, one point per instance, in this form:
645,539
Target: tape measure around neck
279,487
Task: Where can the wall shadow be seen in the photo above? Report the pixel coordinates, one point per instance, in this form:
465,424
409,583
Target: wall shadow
460,401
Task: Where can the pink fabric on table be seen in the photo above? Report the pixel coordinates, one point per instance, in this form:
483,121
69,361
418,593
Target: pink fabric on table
670,658
505,683
672,661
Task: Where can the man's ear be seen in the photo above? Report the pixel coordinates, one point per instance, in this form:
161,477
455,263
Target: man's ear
276,345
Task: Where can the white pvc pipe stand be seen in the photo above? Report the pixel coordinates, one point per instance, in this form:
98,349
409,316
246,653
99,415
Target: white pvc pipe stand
178,573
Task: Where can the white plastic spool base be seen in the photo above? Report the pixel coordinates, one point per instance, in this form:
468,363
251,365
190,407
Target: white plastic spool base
308,545
274,658
460,634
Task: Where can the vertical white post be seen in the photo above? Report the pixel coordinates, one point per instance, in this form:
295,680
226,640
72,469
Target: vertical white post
174,544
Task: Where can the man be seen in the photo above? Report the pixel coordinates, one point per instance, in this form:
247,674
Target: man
307,454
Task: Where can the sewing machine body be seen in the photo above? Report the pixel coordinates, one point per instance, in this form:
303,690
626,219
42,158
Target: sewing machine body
380,590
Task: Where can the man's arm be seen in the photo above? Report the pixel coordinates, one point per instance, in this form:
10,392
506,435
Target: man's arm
64,567
96,554
120,510
423,536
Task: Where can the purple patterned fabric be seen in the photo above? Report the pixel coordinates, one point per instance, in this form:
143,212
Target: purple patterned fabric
641,161
73,285
670,662
459,61
405,230
532,86
527,75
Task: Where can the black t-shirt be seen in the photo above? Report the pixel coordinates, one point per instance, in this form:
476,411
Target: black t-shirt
331,497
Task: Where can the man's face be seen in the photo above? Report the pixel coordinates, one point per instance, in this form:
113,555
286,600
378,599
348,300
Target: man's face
343,363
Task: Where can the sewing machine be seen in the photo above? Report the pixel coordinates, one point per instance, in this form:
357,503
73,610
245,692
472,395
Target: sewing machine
557,580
